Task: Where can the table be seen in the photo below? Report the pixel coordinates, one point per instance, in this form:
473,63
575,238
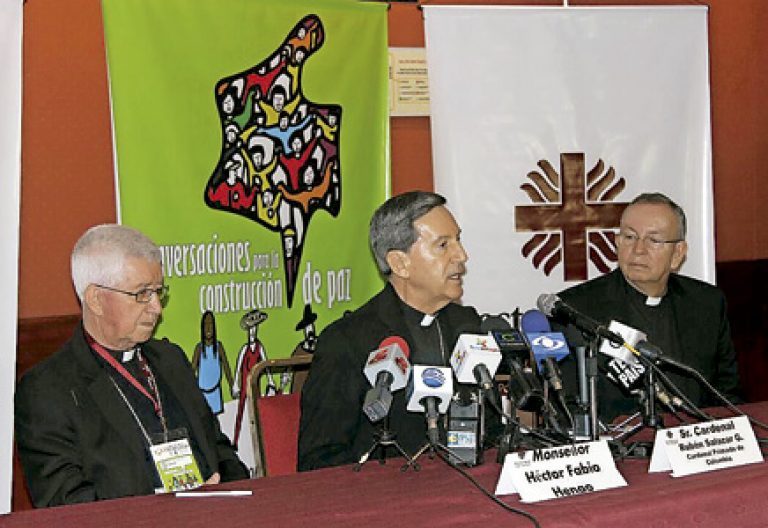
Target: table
382,495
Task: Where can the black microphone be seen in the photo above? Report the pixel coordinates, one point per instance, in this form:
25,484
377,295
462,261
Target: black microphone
632,378
524,389
553,306
552,374
378,400
649,351
627,377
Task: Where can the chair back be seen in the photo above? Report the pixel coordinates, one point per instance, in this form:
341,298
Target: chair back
275,419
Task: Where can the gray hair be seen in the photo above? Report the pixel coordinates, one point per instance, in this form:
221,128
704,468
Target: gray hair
99,255
392,224
663,199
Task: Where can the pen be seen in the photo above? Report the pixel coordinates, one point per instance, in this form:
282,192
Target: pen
232,493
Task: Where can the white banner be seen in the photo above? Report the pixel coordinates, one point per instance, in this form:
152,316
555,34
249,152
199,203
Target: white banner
545,121
10,177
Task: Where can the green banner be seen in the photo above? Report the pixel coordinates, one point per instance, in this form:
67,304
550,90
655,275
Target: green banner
251,145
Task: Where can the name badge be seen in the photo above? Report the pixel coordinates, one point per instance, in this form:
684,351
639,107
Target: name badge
556,472
707,446
176,466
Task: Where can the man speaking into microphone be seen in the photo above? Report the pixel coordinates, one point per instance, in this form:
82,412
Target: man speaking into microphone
685,317
416,243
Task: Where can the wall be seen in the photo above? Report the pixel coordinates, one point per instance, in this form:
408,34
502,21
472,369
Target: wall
67,182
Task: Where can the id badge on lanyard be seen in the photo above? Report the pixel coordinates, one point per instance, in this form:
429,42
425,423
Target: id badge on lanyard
175,463
170,450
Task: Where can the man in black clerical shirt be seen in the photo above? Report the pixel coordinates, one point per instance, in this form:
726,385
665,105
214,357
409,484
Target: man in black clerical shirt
416,243
685,317
87,416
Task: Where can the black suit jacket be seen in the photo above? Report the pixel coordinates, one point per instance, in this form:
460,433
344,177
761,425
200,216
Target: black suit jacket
702,337
333,429
77,439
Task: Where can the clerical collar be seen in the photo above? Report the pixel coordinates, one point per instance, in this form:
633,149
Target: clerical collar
653,301
417,316
649,300
123,356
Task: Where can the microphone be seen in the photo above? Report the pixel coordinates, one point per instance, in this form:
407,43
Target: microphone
535,321
623,369
652,352
475,359
553,306
628,373
430,389
631,336
387,369
551,373
628,377
544,342
525,391
548,348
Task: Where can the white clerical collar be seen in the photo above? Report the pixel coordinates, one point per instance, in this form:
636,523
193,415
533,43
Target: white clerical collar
128,355
427,320
649,300
653,301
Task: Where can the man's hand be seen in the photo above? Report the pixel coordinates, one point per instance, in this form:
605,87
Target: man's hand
214,479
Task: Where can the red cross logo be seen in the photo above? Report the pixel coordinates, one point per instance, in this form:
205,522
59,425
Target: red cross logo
574,216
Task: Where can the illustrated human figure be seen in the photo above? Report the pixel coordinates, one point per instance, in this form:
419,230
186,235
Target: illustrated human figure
251,353
305,347
209,361
270,108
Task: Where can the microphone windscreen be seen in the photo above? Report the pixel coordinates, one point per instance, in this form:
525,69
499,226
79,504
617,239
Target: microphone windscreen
535,321
491,323
472,350
548,345
546,303
397,340
391,359
429,382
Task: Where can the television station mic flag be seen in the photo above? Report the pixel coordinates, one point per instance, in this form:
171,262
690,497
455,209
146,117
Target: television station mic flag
11,14
546,122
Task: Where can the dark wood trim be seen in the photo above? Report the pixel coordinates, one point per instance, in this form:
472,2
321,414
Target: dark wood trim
37,339
746,291
40,337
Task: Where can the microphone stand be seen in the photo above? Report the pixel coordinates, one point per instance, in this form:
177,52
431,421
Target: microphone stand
581,416
650,416
590,366
384,438
433,443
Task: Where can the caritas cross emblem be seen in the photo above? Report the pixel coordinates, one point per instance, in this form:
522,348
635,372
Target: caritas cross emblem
573,218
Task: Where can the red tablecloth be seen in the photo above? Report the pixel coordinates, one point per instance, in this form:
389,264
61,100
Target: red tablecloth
382,495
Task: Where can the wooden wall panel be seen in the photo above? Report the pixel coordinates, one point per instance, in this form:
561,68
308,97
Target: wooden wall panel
746,292
37,339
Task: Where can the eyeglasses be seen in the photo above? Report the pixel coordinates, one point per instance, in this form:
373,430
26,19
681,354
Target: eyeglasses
142,296
652,243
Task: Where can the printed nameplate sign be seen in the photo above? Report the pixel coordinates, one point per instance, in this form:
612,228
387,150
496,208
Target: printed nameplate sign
706,446
555,472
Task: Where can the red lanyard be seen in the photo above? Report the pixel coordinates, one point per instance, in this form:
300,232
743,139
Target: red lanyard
106,356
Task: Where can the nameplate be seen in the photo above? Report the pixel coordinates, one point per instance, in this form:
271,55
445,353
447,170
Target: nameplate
706,446
557,472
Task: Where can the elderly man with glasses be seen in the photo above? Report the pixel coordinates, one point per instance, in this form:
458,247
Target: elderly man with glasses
685,317
114,412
